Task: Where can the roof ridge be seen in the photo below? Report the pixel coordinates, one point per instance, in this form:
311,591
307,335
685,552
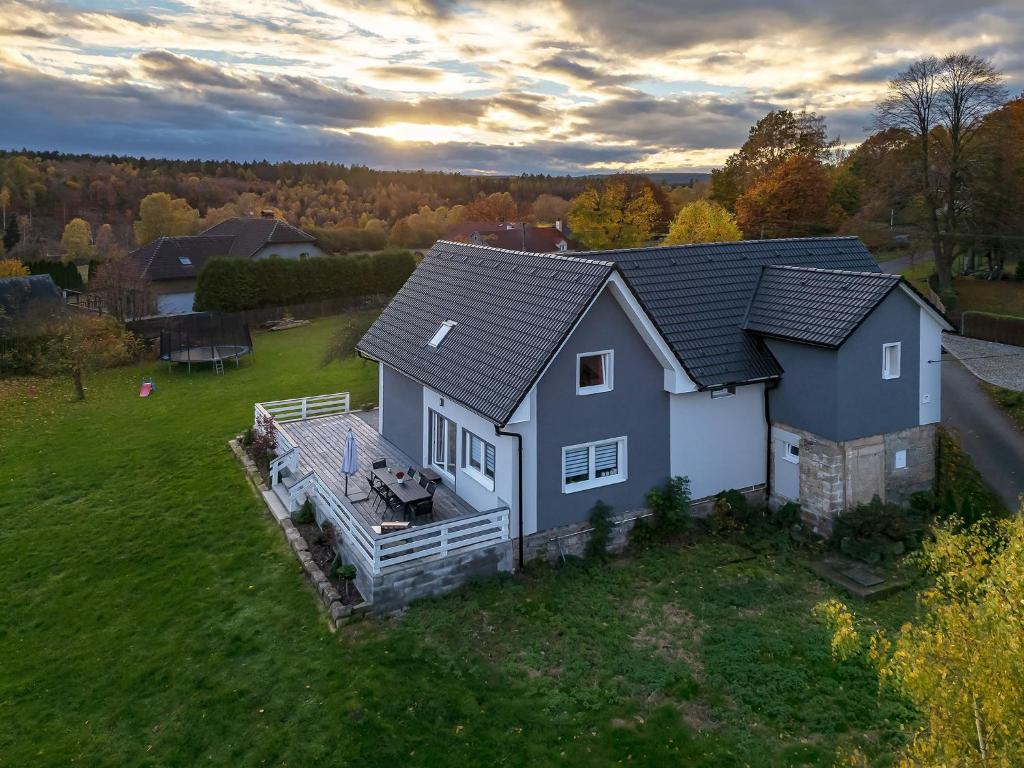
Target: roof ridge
532,254
793,268
660,246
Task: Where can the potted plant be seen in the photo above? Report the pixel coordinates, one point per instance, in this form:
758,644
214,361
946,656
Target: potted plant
401,477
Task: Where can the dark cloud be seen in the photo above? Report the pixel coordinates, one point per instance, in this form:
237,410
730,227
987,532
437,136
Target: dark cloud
406,72
682,122
563,65
36,33
167,67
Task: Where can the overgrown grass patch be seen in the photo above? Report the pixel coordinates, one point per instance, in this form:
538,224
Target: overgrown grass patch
152,616
1010,401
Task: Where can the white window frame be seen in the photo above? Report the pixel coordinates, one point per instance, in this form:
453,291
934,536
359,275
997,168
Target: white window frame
597,482
437,418
887,373
480,475
438,337
788,453
609,372
900,459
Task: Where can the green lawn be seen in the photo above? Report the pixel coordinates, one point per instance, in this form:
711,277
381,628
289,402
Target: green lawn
151,615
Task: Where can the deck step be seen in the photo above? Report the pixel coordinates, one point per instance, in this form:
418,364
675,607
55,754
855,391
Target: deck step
277,507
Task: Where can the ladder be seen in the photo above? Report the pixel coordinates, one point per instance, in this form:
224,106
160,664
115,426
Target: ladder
218,366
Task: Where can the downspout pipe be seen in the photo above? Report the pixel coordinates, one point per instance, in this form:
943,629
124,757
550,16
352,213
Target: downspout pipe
519,503
770,385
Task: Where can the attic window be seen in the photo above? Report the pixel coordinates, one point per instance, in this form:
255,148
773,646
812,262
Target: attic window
438,337
185,261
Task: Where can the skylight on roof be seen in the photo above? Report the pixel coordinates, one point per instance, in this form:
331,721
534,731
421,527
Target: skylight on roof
185,261
438,337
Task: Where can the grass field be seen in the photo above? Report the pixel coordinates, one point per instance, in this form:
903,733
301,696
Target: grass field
150,615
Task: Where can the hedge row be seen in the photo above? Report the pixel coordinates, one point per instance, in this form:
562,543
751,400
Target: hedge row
64,275
236,285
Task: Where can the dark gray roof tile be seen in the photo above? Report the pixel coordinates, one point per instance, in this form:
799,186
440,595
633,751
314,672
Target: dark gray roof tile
512,310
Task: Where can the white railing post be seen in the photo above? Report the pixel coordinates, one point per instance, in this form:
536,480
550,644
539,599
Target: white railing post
304,401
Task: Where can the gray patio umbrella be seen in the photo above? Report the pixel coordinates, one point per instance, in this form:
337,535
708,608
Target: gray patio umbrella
350,460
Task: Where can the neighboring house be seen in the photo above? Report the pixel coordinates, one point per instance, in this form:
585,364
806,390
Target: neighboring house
172,264
511,235
792,368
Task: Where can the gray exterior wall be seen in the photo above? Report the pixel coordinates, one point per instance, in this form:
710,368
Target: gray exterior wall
840,394
637,407
402,412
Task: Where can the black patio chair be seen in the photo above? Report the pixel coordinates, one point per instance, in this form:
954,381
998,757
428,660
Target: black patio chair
377,464
411,472
425,508
424,482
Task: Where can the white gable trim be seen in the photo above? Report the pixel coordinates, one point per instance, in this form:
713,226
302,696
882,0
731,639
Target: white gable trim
676,379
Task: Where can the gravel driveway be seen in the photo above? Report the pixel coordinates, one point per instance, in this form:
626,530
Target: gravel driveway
999,364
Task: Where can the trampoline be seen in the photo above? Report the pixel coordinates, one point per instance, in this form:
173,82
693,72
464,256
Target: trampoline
205,338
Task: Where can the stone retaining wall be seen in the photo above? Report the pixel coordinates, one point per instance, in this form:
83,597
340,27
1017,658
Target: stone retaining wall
553,544
337,612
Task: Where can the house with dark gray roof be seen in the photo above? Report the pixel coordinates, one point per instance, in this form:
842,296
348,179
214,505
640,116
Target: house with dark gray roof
172,264
790,370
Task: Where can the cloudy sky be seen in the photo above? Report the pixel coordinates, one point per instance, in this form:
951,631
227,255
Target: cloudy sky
554,85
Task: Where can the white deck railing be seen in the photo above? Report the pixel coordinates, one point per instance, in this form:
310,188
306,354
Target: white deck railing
300,408
441,539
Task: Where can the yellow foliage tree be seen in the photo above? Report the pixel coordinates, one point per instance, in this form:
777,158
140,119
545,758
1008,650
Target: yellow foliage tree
960,663
609,218
12,268
76,242
703,221
161,215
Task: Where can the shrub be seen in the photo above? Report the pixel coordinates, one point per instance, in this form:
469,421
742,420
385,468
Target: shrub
264,443
305,514
670,505
877,530
1018,273
247,437
601,530
234,285
731,512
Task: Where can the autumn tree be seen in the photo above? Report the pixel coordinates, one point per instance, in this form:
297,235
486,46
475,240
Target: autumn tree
607,217
775,138
106,243
959,664
547,209
791,201
78,342
423,228
703,221
76,242
122,291
12,268
161,215
941,103
498,207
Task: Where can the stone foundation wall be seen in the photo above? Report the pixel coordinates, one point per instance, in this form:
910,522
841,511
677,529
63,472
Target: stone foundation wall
835,476
551,545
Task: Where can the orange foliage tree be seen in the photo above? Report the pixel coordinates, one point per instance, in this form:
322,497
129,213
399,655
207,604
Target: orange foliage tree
791,201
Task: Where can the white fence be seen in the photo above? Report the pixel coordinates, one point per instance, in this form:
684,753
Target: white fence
441,539
300,408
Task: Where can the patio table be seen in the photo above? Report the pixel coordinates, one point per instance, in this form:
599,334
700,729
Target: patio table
408,493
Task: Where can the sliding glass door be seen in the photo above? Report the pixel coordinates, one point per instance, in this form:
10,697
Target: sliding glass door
443,443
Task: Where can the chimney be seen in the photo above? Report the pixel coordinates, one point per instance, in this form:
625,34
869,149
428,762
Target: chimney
558,224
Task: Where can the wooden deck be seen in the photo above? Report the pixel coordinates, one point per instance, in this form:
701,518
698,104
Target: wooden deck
320,441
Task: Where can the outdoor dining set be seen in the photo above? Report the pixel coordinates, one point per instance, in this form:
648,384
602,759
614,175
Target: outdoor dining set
406,495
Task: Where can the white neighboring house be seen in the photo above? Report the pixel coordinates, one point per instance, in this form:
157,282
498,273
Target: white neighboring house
172,264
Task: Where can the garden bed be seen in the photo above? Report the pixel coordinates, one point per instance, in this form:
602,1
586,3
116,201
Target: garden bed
323,556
